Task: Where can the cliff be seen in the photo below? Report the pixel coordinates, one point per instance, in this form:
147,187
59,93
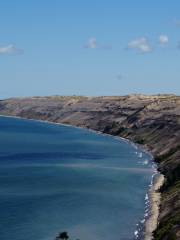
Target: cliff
153,121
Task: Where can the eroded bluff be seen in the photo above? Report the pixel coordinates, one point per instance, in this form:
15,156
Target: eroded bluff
153,121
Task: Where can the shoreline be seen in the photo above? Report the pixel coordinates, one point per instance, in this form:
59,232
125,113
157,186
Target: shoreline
152,197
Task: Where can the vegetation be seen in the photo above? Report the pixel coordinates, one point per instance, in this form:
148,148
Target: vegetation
62,236
168,154
140,140
166,229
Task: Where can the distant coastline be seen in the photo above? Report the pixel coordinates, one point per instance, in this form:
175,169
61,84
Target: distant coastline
146,120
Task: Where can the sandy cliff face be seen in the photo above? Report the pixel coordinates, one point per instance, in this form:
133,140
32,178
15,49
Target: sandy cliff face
153,121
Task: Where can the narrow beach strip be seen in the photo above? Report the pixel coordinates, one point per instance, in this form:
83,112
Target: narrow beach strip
155,200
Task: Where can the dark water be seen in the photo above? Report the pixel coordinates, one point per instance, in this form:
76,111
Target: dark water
55,178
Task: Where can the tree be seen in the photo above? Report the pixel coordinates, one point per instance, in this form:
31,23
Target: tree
63,236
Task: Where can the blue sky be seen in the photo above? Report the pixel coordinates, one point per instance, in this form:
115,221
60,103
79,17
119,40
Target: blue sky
89,47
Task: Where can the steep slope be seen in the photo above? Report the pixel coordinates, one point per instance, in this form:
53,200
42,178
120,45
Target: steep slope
153,121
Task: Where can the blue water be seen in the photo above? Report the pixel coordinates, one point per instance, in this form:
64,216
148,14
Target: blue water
55,178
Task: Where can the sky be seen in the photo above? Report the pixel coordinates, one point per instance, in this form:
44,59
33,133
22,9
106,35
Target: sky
83,47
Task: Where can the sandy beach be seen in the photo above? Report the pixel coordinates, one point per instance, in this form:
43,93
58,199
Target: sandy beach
154,199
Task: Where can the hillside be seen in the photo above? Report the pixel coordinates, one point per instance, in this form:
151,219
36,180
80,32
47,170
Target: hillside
153,121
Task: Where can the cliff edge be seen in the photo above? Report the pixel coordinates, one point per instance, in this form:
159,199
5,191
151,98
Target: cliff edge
153,121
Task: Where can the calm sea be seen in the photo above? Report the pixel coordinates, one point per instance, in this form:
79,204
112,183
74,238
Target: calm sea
56,178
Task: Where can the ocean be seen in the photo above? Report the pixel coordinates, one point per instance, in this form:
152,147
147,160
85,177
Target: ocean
56,178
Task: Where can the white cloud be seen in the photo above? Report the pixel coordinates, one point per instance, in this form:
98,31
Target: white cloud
163,40
10,50
92,43
141,45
